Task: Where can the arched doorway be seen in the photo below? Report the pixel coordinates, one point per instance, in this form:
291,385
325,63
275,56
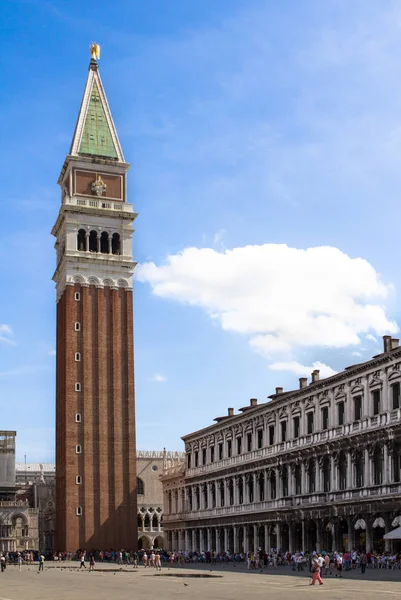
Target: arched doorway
231,539
311,533
298,537
144,543
261,537
158,542
241,539
360,535
272,537
342,539
379,529
285,536
327,537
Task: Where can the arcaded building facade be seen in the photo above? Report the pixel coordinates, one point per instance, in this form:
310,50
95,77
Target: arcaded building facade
313,468
150,464
95,405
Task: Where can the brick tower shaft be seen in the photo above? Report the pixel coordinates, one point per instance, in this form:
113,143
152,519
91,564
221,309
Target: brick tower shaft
95,401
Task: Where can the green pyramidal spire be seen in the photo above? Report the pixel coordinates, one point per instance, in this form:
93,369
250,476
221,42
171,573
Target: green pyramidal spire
96,137
95,134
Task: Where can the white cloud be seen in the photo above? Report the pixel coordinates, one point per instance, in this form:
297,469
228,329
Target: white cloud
218,238
283,298
6,335
302,370
158,378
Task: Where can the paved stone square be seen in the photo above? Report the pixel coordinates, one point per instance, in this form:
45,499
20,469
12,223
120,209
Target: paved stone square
68,583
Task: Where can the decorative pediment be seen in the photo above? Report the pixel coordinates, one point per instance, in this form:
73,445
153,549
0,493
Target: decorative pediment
375,382
238,429
340,397
309,405
282,413
394,375
258,421
356,389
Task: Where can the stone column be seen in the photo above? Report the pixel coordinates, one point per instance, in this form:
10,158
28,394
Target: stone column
278,535
209,539
236,489
367,479
256,496
303,478
279,487
267,484
225,539
350,534
235,529
385,464
187,541
246,488
349,471
290,536
368,535
246,540
333,471
255,538
303,524
266,548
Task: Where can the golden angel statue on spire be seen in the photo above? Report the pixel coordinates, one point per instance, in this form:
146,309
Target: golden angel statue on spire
95,51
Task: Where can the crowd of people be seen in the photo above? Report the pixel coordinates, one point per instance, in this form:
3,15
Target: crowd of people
320,565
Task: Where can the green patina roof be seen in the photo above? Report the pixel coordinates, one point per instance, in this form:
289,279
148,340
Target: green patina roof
96,138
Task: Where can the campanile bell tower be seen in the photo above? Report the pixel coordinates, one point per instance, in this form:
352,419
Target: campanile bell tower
95,403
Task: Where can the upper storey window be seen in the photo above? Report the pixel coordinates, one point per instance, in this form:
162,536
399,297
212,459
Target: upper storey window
249,442
357,408
395,388
229,448
104,243
81,240
296,427
188,460
283,431
341,412
260,438
309,422
325,418
239,445
203,456
116,244
93,241
376,402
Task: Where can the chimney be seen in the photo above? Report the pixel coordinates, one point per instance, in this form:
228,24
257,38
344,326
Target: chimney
279,390
303,382
395,342
230,412
254,401
386,343
315,375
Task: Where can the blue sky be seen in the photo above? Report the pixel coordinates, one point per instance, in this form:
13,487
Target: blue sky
256,130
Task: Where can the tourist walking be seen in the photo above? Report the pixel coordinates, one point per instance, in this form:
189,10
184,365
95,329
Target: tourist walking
82,561
363,561
92,562
316,572
41,560
19,561
158,563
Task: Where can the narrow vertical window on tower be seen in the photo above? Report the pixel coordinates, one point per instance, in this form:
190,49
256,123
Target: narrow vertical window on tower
77,387
77,327
77,296
78,417
78,479
77,356
115,244
93,241
104,243
79,511
78,449
81,240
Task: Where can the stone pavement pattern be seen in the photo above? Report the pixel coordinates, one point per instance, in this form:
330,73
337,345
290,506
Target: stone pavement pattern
69,584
